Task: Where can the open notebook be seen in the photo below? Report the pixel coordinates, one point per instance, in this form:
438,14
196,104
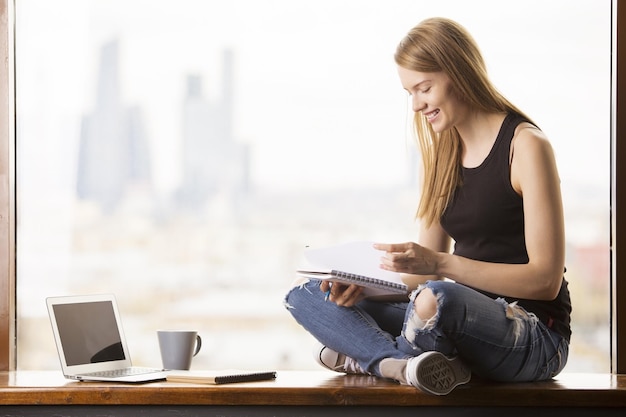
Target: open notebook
353,263
90,340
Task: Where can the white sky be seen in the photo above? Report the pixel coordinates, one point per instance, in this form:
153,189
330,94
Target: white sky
317,95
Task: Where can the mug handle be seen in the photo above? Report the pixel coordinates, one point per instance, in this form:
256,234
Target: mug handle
198,345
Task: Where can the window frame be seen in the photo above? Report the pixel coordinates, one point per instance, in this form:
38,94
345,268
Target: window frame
8,360
618,187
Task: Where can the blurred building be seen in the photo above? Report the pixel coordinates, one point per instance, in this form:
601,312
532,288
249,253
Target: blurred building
113,150
213,161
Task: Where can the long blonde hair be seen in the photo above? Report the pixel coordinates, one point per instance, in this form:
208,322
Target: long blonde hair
440,44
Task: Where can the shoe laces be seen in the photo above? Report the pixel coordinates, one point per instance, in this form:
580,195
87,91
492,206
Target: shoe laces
350,366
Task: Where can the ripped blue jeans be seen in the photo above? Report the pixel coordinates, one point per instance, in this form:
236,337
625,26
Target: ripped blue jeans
496,340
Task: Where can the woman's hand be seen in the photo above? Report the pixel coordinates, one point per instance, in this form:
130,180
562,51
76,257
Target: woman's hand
342,295
409,258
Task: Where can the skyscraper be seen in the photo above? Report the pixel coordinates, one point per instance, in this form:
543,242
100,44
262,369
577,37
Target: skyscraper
213,161
113,151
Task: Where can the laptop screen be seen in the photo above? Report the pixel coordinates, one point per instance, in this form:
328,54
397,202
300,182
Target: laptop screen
88,332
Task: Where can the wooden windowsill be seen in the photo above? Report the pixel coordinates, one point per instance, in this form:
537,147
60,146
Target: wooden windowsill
293,388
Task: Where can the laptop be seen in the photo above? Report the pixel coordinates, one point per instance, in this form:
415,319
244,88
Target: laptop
90,340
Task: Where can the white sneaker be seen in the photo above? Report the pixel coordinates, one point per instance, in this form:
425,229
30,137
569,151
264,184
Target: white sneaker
434,373
337,362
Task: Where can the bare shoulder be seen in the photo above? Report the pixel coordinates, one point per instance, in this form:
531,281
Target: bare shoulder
532,158
528,139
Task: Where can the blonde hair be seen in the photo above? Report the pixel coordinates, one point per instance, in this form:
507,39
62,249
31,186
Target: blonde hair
434,45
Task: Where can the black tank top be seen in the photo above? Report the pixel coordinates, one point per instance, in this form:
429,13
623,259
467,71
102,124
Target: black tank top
485,218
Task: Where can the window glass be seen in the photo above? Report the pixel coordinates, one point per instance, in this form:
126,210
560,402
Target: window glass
182,154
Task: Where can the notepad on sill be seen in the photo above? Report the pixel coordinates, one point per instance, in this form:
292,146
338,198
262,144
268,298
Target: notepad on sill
227,376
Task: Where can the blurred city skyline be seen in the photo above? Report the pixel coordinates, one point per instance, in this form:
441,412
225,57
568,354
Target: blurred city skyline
306,78
115,151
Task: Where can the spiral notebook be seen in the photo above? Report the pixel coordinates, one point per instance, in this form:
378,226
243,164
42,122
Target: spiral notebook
352,263
229,376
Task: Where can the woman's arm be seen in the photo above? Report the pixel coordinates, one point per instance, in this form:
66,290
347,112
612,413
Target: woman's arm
535,177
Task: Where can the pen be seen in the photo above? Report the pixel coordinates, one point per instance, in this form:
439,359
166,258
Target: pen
326,295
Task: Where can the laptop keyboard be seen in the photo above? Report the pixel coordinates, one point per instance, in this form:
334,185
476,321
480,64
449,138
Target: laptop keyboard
116,373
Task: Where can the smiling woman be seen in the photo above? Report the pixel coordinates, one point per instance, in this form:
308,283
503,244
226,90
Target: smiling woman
158,151
495,304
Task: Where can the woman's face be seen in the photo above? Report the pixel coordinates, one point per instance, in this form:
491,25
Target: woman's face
432,95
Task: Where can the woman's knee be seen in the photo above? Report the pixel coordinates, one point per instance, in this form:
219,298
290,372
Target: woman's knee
301,292
425,304
434,297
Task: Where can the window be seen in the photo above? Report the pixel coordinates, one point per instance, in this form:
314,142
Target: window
305,113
